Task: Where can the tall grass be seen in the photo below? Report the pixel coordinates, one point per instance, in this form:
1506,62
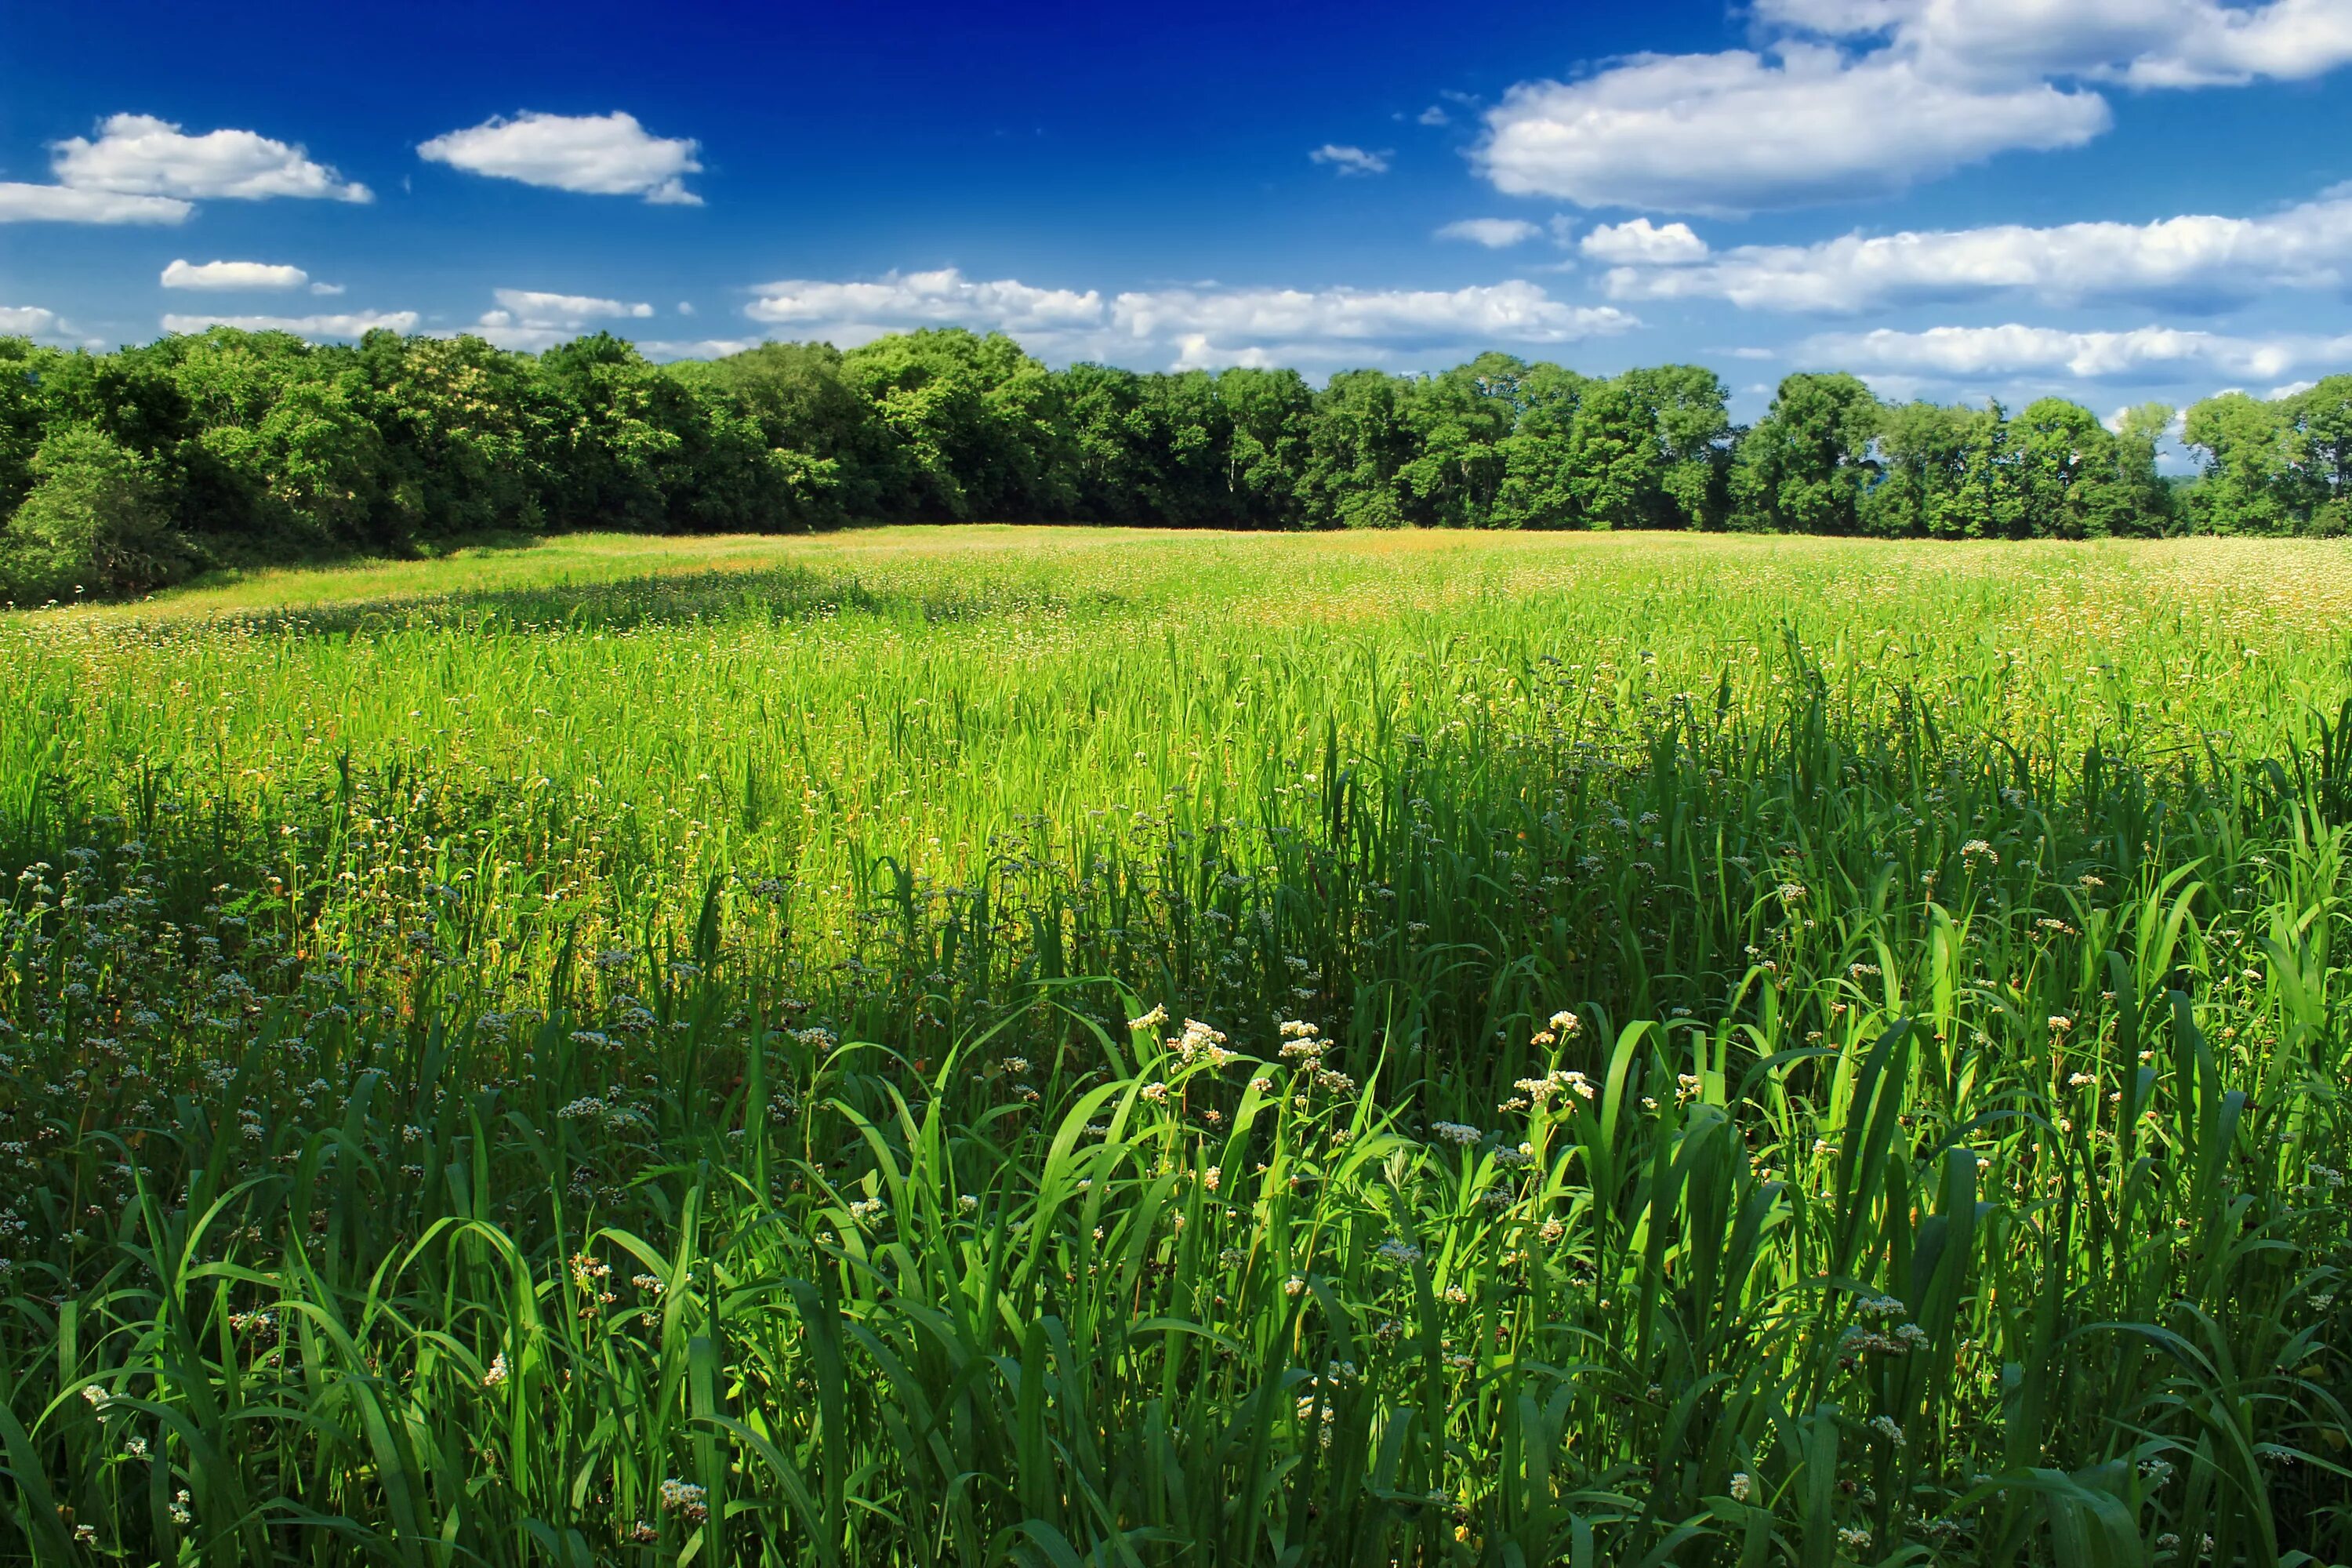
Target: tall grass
1739,1052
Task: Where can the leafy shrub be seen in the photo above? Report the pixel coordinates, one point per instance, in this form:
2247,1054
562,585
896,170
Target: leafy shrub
95,521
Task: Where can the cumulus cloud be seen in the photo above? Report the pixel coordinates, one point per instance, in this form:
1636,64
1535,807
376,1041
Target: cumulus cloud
2149,353
2137,43
1300,320
596,154
1858,97
1494,233
26,321
852,314
138,154
531,319
1740,131
1641,242
697,348
233,275
352,325
22,202
2196,261
1350,160
1202,325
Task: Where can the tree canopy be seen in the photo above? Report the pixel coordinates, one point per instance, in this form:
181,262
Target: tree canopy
123,471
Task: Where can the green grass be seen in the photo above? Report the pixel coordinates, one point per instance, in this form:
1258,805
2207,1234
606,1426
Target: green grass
491,1039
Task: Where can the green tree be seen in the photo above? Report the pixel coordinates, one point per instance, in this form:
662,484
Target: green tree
809,410
1538,467
2324,413
1805,466
96,521
979,425
2252,450
1455,425
1356,445
1272,414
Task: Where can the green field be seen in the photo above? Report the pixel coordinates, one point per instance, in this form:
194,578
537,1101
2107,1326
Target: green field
1709,1050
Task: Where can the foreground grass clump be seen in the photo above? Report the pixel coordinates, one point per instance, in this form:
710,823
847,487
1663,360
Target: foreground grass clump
1170,1051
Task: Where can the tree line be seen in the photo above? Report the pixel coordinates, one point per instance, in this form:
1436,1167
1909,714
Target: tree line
127,471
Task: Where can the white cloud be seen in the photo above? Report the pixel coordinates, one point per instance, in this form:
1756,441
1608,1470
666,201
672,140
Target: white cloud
1494,233
21,203
567,306
1201,325
233,275
1350,160
326,288
596,154
26,321
1857,98
1736,131
352,325
138,154
2196,261
700,348
1640,241
1300,319
2146,352
852,314
530,319
1433,115
2137,43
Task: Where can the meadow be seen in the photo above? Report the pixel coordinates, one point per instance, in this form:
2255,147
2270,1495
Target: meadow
949,1047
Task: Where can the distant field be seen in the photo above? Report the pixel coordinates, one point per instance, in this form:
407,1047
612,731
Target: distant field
1709,1050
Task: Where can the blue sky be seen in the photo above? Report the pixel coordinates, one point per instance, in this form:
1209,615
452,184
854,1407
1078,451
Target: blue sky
2111,199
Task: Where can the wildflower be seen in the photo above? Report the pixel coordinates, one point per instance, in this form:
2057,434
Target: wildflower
1743,1487
685,1499
86,1534
1152,1020
99,1398
1977,849
1262,1085
2059,1023
1854,1537
136,1447
1211,1176
1456,1133
1397,1252
180,1513
1294,1285
497,1372
1885,1427
1156,1092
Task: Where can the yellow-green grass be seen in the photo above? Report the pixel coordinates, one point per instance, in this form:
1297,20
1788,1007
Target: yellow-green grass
1939,1152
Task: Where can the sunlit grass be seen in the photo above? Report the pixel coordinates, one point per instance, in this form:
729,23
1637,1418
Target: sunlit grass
1819,1050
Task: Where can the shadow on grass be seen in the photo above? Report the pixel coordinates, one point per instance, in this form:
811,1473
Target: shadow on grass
757,596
